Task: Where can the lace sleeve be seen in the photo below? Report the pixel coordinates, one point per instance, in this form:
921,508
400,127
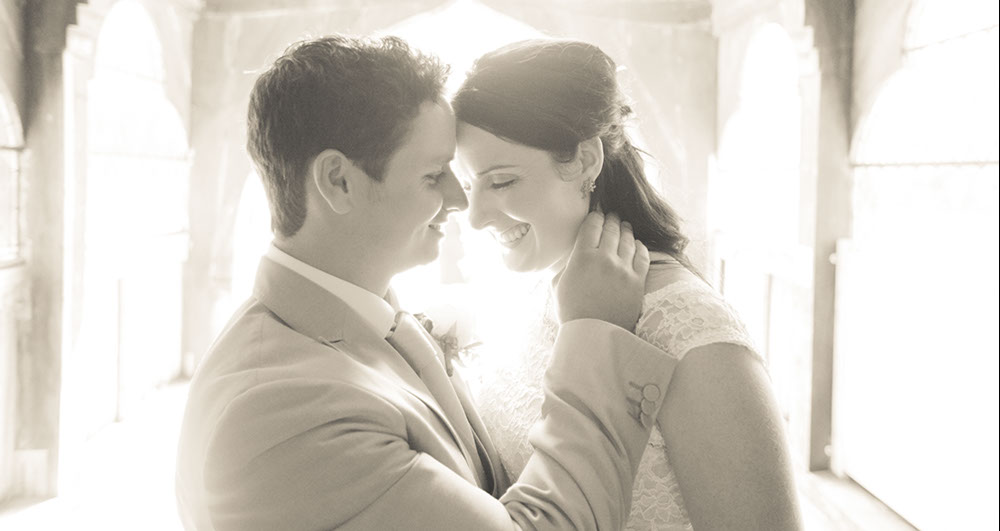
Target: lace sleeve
689,314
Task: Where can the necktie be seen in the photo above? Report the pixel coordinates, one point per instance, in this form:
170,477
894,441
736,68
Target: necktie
410,339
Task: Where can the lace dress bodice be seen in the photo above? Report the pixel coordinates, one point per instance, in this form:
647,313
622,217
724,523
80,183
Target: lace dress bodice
676,318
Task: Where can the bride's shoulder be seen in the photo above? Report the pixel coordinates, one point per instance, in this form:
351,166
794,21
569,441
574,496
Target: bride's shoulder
681,311
665,270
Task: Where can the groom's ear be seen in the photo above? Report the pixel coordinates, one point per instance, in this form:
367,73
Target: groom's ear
329,171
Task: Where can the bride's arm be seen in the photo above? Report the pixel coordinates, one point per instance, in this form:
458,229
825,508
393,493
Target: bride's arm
726,443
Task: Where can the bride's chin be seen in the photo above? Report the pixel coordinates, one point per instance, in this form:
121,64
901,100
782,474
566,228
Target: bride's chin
516,264
525,262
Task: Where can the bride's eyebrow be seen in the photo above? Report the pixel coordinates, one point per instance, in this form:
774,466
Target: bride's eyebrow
495,168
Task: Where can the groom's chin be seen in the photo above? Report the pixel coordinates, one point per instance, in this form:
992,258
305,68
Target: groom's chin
425,256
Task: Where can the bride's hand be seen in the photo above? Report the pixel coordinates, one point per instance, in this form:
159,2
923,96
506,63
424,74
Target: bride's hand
605,276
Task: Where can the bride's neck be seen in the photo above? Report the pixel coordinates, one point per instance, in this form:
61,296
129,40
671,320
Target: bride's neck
555,270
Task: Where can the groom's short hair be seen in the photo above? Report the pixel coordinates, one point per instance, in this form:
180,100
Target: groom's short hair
355,95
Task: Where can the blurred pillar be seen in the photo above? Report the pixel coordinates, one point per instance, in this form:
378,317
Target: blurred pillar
833,26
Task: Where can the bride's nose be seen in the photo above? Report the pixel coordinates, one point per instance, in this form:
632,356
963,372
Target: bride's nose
482,209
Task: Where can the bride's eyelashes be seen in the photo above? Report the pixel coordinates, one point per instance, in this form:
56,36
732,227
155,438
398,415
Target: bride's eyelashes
493,183
500,183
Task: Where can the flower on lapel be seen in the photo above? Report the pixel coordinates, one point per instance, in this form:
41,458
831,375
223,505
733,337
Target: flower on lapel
449,342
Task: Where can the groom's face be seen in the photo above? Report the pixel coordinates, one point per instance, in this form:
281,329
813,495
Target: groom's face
405,212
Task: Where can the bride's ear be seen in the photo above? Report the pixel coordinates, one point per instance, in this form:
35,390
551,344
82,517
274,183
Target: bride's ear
330,172
591,158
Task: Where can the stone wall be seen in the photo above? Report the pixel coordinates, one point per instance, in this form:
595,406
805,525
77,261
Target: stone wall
47,46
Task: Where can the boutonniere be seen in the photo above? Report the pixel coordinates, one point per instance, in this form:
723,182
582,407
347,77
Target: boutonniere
457,345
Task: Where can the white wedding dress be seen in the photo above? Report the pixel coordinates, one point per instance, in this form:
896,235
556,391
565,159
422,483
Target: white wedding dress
676,318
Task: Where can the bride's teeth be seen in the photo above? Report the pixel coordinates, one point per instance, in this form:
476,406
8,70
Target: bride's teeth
514,234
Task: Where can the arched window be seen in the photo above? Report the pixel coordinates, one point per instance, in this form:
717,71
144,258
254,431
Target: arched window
10,183
760,213
13,289
130,236
915,405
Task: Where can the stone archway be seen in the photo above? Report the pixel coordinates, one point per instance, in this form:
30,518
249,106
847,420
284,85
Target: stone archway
755,193
125,239
13,290
762,203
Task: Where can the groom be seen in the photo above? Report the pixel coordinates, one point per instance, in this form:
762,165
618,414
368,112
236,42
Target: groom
322,406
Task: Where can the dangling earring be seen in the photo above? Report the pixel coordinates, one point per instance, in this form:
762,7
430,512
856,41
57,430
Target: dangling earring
587,187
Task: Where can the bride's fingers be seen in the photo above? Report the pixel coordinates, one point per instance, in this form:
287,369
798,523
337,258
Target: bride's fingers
589,236
641,260
611,233
626,243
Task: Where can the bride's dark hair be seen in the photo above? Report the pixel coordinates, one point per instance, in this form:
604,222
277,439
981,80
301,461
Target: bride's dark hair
553,95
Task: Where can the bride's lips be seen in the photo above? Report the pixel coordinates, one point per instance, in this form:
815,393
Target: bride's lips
511,237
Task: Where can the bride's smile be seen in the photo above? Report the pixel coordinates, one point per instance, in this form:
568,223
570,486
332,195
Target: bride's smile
511,237
529,201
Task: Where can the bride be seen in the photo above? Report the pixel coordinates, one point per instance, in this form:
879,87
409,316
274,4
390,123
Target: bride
542,141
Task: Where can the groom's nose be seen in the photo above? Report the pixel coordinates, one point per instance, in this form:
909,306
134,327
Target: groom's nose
454,196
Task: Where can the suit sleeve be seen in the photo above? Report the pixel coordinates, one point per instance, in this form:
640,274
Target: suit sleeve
603,390
325,456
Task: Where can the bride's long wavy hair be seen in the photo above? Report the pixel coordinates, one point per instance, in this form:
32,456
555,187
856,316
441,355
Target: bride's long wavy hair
554,94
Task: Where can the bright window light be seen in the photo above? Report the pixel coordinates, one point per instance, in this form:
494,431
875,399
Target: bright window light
915,403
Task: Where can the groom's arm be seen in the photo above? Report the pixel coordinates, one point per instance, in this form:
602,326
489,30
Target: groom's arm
603,390
347,461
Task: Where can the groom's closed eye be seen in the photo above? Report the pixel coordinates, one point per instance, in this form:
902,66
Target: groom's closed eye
435,178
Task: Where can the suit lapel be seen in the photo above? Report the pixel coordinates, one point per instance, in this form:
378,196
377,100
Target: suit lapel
458,410
315,312
488,453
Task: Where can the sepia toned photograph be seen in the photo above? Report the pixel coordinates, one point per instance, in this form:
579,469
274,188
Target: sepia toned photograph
499,265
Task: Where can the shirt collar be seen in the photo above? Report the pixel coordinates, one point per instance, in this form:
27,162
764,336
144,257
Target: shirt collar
375,311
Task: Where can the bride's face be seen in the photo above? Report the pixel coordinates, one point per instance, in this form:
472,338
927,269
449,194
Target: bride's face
530,203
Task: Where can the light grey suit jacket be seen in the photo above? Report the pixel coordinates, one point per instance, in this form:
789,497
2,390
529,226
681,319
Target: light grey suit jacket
300,417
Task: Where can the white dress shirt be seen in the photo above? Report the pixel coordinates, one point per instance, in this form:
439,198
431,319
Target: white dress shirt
378,313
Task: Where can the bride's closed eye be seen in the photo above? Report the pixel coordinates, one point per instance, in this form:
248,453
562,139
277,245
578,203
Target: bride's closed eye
501,182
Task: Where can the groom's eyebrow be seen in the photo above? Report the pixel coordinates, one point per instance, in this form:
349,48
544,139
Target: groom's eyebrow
494,168
439,163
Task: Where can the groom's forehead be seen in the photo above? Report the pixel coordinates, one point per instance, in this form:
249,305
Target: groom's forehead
430,138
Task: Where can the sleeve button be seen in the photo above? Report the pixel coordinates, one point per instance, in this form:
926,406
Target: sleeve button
651,392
